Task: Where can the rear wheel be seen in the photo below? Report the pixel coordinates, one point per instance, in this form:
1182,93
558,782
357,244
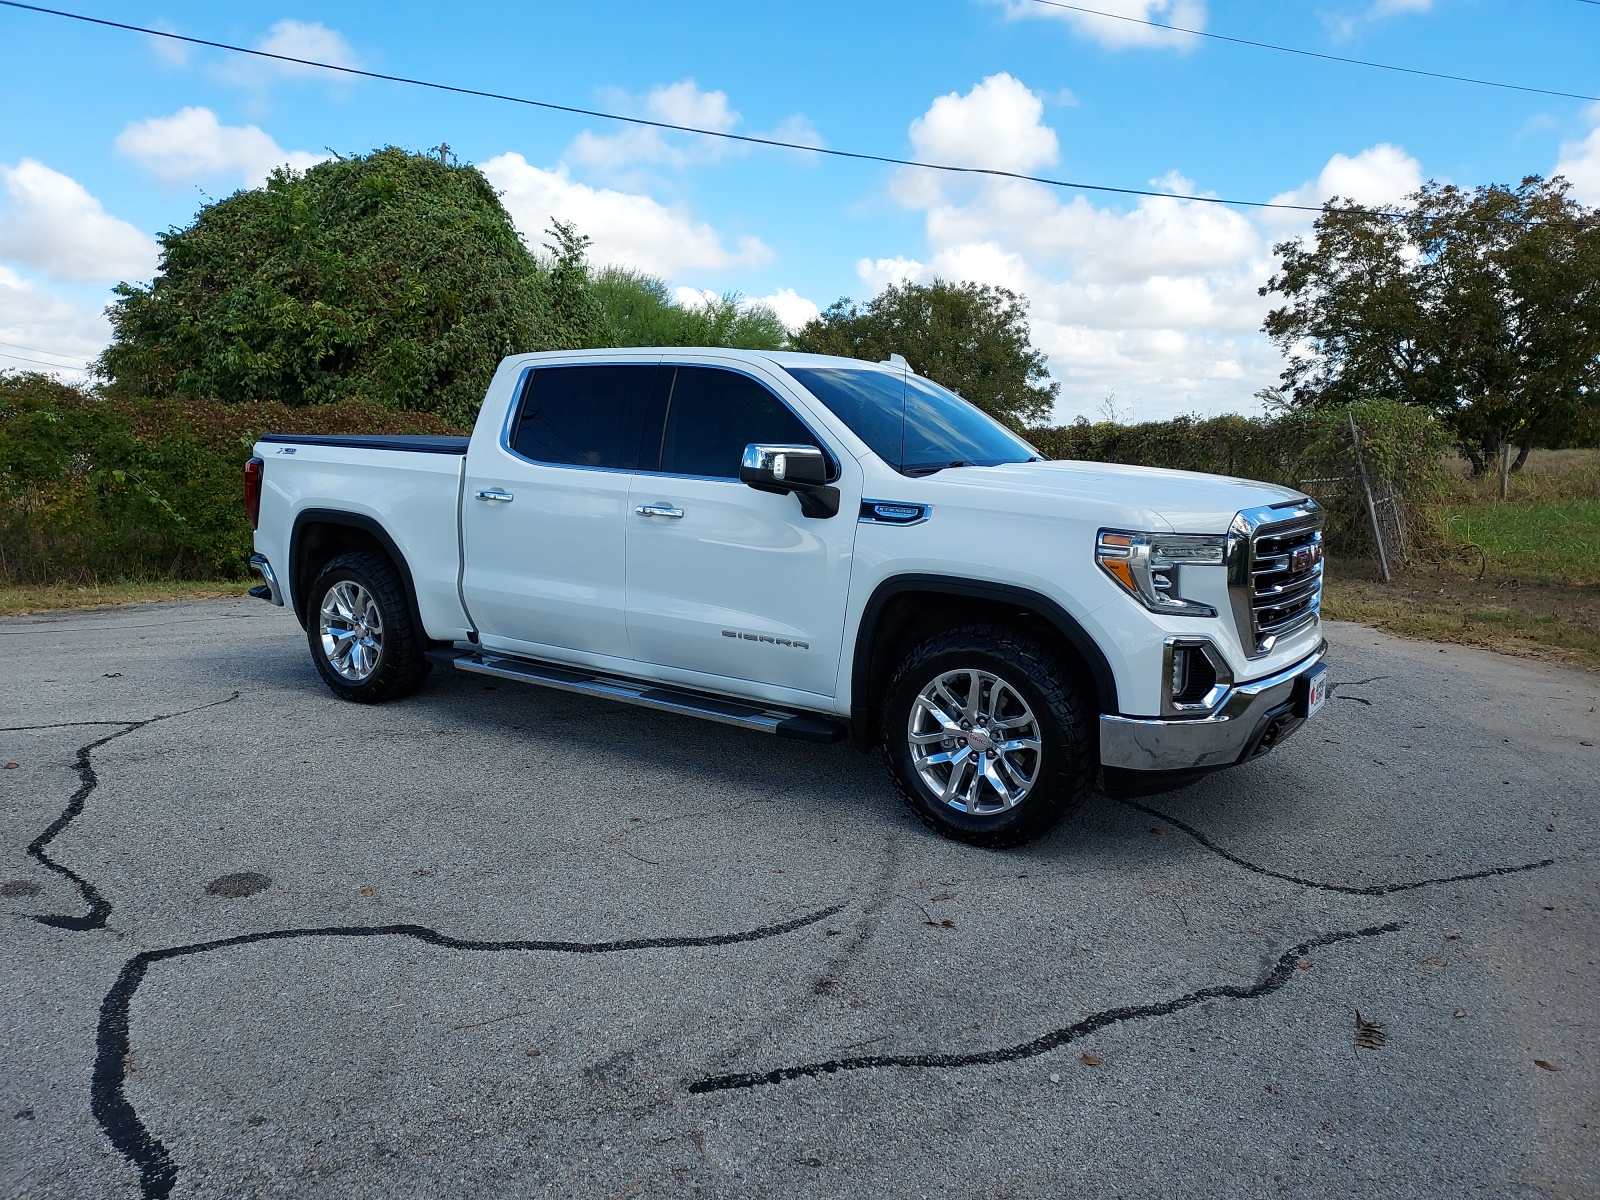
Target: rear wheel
363,640
987,736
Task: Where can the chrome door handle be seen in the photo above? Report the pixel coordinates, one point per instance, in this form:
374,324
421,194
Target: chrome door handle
659,510
496,495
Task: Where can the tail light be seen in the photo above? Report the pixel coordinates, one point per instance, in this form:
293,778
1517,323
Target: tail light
252,491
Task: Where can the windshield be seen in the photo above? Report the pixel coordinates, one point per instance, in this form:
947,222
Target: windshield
913,424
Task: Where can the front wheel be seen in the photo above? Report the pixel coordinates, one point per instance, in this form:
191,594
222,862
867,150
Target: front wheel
987,736
363,640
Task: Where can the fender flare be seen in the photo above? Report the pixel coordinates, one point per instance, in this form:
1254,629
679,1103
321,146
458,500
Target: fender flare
335,516
861,716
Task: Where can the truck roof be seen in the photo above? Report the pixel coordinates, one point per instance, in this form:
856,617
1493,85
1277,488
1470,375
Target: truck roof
781,358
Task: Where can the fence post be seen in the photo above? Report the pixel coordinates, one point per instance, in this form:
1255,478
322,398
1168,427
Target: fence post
1366,487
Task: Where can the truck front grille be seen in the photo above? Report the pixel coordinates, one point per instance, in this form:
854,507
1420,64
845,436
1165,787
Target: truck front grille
1275,573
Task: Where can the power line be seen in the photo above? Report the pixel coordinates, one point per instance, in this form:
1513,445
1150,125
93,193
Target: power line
1358,62
748,139
42,363
37,350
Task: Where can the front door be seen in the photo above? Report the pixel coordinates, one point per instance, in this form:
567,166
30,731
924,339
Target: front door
544,514
725,581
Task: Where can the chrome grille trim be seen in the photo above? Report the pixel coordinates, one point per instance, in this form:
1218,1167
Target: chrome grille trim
1270,599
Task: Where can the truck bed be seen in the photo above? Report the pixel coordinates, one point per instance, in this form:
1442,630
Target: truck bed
414,443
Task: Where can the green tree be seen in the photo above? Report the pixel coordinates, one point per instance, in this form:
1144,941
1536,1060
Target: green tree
391,277
972,338
640,311
1481,306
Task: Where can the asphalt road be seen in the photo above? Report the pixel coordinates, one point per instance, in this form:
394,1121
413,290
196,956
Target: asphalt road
495,941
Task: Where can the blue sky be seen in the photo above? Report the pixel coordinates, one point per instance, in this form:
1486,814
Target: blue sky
111,136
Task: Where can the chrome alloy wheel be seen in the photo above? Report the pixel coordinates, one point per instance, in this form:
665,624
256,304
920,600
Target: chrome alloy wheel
352,631
975,742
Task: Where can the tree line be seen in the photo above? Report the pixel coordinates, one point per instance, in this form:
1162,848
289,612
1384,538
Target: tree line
399,279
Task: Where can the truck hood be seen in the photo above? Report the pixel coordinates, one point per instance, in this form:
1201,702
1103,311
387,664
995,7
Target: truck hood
1152,498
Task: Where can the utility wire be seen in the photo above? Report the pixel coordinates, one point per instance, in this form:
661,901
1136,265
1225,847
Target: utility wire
747,139
1358,62
41,363
36,350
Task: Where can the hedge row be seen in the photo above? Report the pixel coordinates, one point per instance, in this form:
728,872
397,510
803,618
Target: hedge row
96,490
1402,448
100,490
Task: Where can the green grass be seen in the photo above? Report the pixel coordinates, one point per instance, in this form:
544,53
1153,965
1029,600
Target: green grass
1556,540
21,599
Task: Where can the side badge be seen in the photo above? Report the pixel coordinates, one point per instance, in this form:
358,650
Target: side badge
894,512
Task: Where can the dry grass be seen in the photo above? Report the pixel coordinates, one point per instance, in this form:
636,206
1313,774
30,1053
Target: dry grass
1552,621
16,601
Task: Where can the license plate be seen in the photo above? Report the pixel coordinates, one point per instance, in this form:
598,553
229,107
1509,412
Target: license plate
1316,689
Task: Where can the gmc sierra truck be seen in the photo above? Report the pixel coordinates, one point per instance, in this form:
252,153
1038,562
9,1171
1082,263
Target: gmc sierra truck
816,548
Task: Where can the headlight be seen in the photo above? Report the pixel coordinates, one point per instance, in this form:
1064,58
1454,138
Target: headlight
1147,566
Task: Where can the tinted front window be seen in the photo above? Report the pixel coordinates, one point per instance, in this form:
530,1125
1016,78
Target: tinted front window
714,414
584,416
912,423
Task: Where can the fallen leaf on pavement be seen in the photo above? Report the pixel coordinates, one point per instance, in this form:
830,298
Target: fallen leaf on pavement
1090,1060
1304,964
366,891
1369,1034
12,766
1539,1062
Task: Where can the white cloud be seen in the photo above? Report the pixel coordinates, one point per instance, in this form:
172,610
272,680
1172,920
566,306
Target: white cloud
1157,302
692,297
1344,25
1580,163
681,103
192,144
1379,176
997,124
170,51
880,273
793,309
41,331
55,226
1117,34
294,39
629,229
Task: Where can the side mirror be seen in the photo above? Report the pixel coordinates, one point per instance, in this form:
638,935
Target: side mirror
802,470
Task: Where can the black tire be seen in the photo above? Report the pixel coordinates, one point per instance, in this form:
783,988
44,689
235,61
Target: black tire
401,665
1063,768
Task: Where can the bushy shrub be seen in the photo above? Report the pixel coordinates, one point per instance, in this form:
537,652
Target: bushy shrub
390,277
98,490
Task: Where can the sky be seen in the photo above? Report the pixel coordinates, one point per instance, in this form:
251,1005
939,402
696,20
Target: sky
1146,307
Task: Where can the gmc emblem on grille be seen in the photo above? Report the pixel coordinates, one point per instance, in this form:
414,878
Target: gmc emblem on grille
1305,557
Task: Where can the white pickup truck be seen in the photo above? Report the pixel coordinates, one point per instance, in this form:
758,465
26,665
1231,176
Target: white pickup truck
817,548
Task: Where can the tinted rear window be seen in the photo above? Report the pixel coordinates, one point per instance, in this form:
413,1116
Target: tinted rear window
584,416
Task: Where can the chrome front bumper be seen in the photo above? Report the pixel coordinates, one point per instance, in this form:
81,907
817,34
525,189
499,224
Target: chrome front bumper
1252,717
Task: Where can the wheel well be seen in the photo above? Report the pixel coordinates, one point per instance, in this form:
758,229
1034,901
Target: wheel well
900,617
318,538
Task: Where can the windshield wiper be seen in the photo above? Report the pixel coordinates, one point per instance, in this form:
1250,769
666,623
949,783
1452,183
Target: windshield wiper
921,469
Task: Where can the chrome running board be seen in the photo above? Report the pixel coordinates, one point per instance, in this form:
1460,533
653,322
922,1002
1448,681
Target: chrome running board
784,723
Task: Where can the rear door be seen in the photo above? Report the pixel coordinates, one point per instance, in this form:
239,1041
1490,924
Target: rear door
543,517
725,581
